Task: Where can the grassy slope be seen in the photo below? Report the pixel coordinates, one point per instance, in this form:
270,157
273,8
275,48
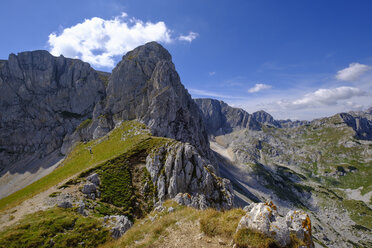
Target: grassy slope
79,160
61,227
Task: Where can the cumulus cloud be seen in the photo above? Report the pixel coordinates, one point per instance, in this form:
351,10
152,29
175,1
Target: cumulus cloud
98,41
259,87
190,37
353,72
323,97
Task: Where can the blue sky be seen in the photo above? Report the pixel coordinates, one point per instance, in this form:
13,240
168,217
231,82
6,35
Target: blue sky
295,59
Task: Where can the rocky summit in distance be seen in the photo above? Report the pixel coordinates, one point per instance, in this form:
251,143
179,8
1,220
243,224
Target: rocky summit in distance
220,118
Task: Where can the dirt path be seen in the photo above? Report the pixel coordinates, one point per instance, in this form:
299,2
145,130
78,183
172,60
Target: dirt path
188,235
41,201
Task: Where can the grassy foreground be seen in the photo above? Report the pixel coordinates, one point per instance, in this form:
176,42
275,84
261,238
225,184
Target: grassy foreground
55,228
80,159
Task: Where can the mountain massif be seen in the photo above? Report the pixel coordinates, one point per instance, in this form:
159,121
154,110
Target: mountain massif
132,150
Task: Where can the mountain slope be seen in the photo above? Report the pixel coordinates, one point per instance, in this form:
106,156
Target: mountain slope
322,166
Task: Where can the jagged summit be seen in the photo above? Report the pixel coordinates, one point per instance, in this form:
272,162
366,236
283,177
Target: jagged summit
146,86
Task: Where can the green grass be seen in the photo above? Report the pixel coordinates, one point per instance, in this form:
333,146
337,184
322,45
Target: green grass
214,223
84,124
359,212
246,238
63,227
80,159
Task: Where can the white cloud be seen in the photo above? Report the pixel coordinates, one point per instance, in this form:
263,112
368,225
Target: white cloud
353,72
190,37
259,87
212,73
98,41
322,97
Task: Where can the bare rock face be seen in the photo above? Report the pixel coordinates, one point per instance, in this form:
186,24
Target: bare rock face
361,123
42,99
119,225
180,172
145,86
263,217
221,119
265,118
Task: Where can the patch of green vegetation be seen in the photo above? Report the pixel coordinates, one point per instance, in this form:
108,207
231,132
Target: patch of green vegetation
246,238
123,179
116,184
214,223
104,78
55,194
359,212
103,209
84,124
55,228
80,159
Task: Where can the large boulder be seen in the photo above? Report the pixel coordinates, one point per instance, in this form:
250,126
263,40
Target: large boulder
263,217
119,225
146,86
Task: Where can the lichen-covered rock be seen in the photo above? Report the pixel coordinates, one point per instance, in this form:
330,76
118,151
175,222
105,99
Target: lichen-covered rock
119,225
263,217
299,223
180,172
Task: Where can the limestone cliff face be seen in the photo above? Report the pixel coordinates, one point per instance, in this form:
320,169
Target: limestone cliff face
42,99
145,86
180,172
220,118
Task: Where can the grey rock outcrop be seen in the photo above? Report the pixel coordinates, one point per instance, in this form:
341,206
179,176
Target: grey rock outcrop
42,99
180,172
119,225
220,118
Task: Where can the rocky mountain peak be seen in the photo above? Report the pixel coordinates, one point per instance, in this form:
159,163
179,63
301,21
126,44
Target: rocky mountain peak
146,86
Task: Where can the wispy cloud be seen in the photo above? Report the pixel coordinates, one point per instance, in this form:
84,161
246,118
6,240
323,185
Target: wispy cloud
190,37
322,97
212,73
98,41
211,94
259,87
353,72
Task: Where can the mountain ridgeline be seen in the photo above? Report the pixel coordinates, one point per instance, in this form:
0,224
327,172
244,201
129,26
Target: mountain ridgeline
119,145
